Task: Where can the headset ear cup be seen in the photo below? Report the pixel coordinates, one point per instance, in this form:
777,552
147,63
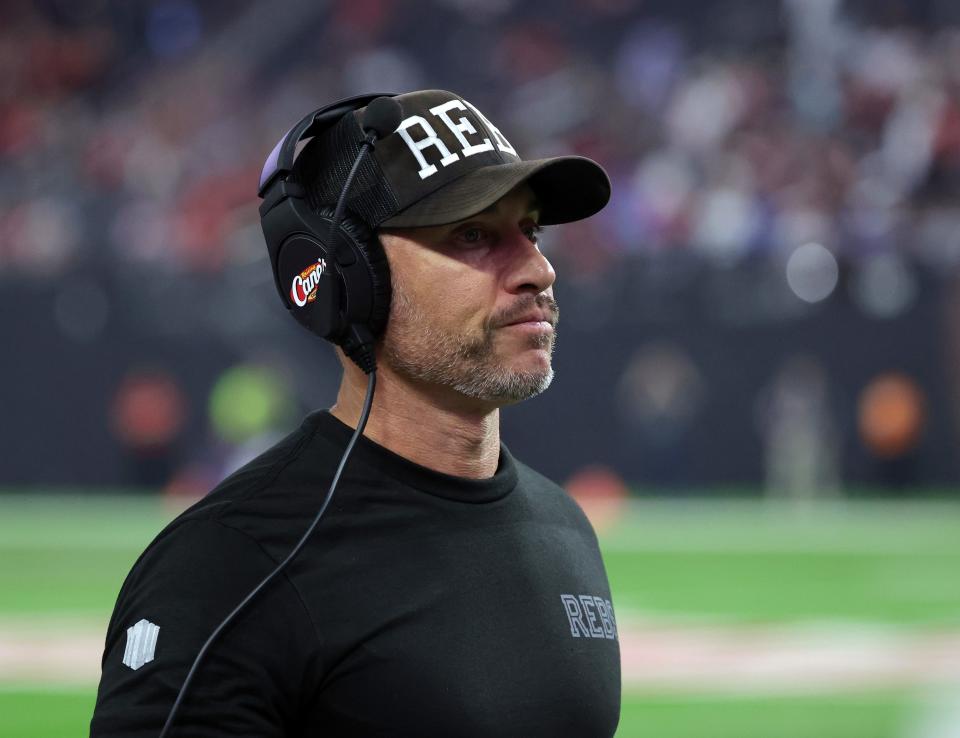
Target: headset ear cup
310,275
371,251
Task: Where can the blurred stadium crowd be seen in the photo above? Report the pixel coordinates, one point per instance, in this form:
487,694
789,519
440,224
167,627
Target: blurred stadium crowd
770,296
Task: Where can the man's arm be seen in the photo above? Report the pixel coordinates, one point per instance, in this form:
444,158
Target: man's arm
251,682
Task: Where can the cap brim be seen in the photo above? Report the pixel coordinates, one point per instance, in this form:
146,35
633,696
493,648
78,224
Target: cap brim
568,188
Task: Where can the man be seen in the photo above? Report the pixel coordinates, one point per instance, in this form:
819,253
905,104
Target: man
450,590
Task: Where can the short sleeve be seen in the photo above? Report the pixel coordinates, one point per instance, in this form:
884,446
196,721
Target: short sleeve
255,677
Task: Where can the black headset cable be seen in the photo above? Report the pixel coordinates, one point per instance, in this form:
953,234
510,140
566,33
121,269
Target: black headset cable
361,424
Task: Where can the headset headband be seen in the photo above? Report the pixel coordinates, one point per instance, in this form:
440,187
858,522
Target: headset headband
280,161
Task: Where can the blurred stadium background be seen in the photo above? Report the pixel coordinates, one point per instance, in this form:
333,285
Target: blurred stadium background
758,377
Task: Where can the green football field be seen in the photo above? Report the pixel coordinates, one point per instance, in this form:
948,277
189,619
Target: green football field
737,620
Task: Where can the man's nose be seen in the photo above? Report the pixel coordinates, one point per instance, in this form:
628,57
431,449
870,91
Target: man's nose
530,270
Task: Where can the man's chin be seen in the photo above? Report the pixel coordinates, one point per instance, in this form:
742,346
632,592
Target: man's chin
530,361
519,385
523,349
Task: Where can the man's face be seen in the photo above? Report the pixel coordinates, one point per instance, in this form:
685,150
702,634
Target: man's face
473,308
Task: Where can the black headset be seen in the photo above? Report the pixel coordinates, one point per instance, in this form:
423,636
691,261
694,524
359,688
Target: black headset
328,266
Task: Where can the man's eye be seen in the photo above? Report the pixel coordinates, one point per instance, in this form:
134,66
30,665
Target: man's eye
533,233
472,235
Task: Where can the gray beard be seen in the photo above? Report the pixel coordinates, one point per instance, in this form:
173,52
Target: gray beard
417,350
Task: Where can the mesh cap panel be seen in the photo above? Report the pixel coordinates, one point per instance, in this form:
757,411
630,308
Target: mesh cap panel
324,163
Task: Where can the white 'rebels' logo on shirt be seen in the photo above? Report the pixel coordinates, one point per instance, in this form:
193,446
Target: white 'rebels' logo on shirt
419,134
141,644
589,616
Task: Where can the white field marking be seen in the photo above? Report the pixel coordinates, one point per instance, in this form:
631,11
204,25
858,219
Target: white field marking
59,650
55,656
656,654
785,658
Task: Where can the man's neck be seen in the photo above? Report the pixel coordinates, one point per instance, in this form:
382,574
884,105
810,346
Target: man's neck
427,426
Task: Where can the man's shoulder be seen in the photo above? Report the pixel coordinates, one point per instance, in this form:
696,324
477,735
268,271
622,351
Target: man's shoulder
540,484
280,464
243,503
288,470
546,494
530,477
223,544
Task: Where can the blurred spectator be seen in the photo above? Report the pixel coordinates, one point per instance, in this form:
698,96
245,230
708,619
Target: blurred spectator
891,421
148,414
801,444
839,136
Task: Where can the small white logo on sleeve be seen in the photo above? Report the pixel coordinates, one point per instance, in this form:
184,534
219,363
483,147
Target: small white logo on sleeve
141,643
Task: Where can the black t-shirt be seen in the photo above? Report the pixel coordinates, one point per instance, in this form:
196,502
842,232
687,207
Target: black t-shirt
423,605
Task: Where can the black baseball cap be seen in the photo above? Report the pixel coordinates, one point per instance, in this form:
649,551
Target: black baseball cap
444,163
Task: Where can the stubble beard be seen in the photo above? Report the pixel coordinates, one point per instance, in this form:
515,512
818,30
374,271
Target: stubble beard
418,350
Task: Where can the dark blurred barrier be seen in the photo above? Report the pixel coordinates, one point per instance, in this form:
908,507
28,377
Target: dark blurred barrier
671,371
718,374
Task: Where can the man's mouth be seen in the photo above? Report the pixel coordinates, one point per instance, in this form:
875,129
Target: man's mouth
534,318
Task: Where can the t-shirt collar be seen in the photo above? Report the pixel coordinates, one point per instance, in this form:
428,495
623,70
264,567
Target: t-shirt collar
385,463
